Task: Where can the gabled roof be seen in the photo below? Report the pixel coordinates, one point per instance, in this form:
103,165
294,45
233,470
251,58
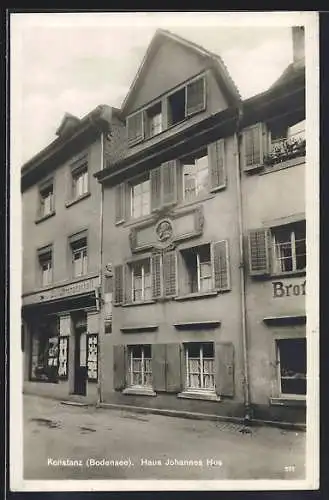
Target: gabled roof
159,37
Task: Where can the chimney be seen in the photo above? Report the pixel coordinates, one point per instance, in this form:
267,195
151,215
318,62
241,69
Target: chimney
298,45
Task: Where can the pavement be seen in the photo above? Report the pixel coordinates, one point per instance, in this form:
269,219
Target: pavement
78,442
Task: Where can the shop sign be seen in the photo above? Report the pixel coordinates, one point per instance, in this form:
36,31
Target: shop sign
80,287
282,289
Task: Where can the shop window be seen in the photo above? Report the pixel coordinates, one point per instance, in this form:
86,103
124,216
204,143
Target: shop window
92,357
291,358
63,354
44,362
140,197
200,366
139,366
79,257
195,175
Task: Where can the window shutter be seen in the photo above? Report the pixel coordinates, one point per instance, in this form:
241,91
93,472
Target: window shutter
155,176
169,273
253,147
119,367
216,155
135,128
169,182
120,202
258,252
224,367
221,265
195,96
118,284
156,275
173,368
159,367
128,284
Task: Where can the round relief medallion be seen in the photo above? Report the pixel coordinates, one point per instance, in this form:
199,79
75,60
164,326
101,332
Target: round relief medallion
164,230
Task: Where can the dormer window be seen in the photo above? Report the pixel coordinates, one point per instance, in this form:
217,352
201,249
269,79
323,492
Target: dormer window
154,120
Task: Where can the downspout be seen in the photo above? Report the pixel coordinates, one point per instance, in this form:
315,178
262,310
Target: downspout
100,293
246,385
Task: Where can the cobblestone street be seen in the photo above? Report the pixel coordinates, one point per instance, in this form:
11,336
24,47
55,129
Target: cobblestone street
71,442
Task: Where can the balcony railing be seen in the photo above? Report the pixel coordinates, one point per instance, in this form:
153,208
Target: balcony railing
286,149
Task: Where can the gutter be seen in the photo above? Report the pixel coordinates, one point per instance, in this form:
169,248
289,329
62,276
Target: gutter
100,295
246,383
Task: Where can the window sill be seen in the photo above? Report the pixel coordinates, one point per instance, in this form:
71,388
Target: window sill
292,162
139,391
138,328
76,200
140,303
197,295
137,221
45,217
289,400
288,274
182,204
206,396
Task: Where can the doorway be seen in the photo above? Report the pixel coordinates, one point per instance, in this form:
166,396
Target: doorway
80,355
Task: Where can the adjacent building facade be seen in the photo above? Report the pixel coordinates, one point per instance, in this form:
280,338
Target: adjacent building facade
197,246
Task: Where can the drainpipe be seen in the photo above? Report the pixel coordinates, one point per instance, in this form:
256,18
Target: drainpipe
246,386
100,300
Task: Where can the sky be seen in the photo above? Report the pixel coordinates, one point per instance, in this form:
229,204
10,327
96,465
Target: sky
73,62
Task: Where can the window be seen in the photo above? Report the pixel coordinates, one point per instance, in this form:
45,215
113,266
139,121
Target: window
46,200
200,366
141,281
139,366
187,101
289,248
198,269
154,120
79,257
176,107
278,250
80,181
140,197
44,355
45,263
195,175
291,356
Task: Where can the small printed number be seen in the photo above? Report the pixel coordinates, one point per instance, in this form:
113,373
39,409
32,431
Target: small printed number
289,468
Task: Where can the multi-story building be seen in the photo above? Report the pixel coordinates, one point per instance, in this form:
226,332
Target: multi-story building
192,227
206,241
61,216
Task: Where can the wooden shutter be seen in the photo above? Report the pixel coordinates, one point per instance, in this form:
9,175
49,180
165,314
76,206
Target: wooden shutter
195,96
216,155
119,367
156,275
155,176
159,367
258,251
135,128
118,284
169,273
224,368
128,284
120,202
221,265
169,182
253,147
173,368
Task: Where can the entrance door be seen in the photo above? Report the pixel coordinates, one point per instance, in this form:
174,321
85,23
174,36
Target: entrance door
80,369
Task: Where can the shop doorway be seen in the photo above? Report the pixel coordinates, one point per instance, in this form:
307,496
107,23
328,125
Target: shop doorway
80,355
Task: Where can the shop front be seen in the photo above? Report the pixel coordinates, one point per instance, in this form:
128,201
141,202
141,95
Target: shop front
61,341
